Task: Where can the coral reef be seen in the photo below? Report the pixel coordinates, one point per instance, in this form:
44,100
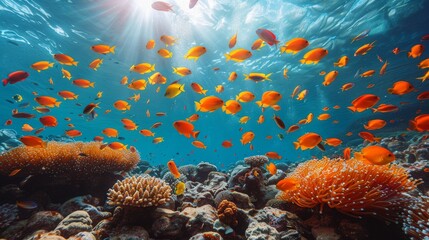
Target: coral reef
86,203
257,231
256,161
8,214
139,192
227,213
77,158
352,187
416,222
76,222
8,139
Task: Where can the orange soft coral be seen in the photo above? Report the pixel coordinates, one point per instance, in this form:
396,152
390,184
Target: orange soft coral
416,219
351,187
76,158
227,212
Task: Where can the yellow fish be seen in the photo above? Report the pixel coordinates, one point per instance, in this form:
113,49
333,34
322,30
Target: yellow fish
195,53
174,89
180,188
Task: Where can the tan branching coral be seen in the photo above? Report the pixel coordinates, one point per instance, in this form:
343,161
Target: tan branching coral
76,158
256,161
227,212
139,192
352,187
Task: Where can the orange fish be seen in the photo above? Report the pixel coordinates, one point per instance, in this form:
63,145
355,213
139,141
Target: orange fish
347,86
314,56
368,73
168,40
396,51
27,128
195,53
231,107
369,137
294,45
227,144
238,55
295,91
292,128
232,76
244,119
47,101
73,133
384,108
269,98
66,74
156,125
424,64
375,124
342,62
302,95
258,44
199,144
122,105
138,84
324,116
401,88
103,49
157,78
364,102
308,141
219,88
322,73
68,95
14,172
142,68
287,184
276,107
173,169
8,122
65,59
272,168
98,138
232,41
375,155
261,119
110,132
364,49
96,64
247,137
416,51
330,77
150,44
194,117
209,104
83,83
273,155
42,65
420,123
182,71
424,77
334,142
147,133
33,141
48,121
198,88
245,96
383,69
117,146
165,53
423,96
346,153
186,129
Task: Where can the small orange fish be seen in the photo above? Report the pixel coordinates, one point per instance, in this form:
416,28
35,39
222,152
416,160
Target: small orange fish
232,76
334,142
150,44
342,62
165,53
261,119
32,141
186,129
238,55
369,137
273,155
396,51
42,65
375,155
314,56
384,108
209,104
375,124
231,107
8,122
308,141
96,64
292,128
48,121
47,101
173,169
346,153
247,137
73,133
368,73
347,86
117,146
227,144
103,49
364,102
65,59
324,116
383,69
199,144
157,140
198,88
330,77
416,51
232,41
269,98
122,105
147,133
83,83
272,168
294,45
110,132
401,88
287,184
364,49
156,125
194,117
14,172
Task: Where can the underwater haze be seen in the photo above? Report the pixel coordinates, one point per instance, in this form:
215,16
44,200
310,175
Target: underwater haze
33,31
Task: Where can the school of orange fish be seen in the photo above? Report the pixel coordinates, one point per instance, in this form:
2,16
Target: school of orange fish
269,99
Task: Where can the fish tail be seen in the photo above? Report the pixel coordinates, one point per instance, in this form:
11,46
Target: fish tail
195,134
76,96
204,91
237,97
336,64
374,110
182,88
268,76
365,126
197,106
352,108
174,70
128,107
91,84
132,67
296,145
390,90
228,57
259,103
283,49
5,82
51,64
112,49
303,61
57,104
223,108
152,68
378,139
75,63
246,77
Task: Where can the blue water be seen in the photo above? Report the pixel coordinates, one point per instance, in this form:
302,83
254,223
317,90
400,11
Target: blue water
32,31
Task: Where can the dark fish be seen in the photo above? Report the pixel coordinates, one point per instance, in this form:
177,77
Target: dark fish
425,37
116,62
9,101
321,147
39,130
83,155
50,88
26,204
24,105
121,138
156,125
78,104
23,115
13,43
279,122
35,84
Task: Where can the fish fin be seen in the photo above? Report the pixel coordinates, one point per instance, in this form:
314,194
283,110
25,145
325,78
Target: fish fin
5,82
51,64
92,84
283,49
246,77
336,64
195,134
197,106
377,139
131,68
76,96
259,103
112,49
204,91
303,61
390,90
128,107
223,108
242,141
182,88
321,147
75,63
228,57
366,126
237,97
296,145
57,104
352,108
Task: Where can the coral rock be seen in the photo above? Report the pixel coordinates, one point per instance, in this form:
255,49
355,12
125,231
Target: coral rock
139,192
203,170
324,233
168,224
207,236
83,236
76,158
242,200
227,212
201,219
279,219
256,161
78,221
45,220
8,214
261,231
197,195
86,203
130,233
